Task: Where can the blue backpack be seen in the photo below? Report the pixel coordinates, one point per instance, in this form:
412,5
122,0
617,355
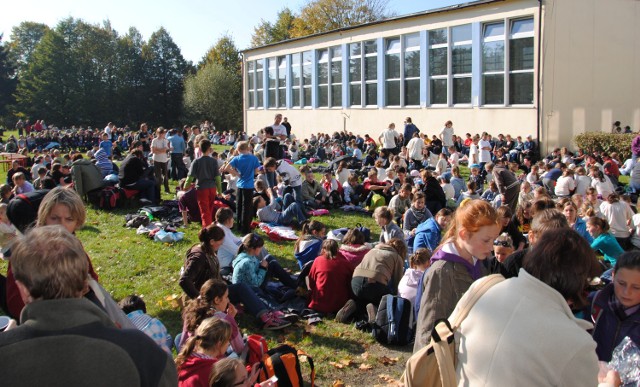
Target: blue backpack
419,292
394,321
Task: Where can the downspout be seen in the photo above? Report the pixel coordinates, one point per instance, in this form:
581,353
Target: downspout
538,84
244,110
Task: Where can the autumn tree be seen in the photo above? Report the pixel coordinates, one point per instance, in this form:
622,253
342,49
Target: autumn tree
224,53
23,41
7,78
267,33
326,15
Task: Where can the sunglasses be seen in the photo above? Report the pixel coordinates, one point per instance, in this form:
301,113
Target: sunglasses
502,243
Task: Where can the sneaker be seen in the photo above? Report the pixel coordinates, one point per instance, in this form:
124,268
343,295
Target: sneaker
372,311
271,323
345,313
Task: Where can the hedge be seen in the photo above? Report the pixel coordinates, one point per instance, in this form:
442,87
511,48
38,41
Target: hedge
607,142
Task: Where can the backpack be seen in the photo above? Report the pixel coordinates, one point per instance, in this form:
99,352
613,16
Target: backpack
257,348
109,198
283,362
435,364
365,231
394,321
22,210
377,200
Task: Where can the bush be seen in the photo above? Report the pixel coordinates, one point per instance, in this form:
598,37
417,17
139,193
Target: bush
607,142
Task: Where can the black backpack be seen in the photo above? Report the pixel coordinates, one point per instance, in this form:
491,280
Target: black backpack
394,321
22,210
109,198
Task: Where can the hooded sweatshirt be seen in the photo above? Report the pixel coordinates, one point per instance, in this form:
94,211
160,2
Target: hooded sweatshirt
195,371
354,253
409,284
247,270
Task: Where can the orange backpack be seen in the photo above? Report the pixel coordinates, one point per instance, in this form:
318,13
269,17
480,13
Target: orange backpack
283,362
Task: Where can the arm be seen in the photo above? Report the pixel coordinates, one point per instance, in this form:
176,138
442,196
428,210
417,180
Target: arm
193,266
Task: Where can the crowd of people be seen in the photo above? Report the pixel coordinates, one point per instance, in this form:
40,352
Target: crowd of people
541,222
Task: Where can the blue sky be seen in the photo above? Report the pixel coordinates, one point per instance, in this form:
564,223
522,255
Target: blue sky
195,25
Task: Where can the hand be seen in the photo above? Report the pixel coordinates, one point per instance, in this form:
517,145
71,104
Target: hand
503,198
231,310
255,372
612,378
264,263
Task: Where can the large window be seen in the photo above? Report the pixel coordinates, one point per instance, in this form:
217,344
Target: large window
251,93
392,71
493,64
355,74
323,78
272,82
296,76
282,81
371,73
307,63
411,70
438,66
521,57
335,81
259,83
461,64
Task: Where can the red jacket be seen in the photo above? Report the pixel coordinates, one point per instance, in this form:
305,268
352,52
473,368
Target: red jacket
195,371
330,284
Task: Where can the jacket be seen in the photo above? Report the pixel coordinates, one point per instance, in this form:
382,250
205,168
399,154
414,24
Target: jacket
391,231
522,332
309,190
86,176
198,268
610,327
448,277
428,235
329,284
247,270
382,264
308,249
409,284
195,371
63,342
131,170
354,253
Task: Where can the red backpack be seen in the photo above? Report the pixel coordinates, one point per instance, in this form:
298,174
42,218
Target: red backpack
257,349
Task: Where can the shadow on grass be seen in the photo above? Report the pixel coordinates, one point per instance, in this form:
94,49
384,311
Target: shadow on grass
172,319
91,229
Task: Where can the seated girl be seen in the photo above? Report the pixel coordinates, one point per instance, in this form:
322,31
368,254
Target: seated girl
510,227
212,302
603,240
353,246
418,264
414,216
502,248
307,247
202,351
329,279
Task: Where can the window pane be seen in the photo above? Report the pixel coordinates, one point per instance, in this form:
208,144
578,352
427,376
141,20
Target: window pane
355,95
371,90
251,100
438,61
306,67
522,26
461,90
295,59
336,52
438,36
354,70
521,89
438,91
323,73
393,66
412,64
412,40
393,93
493,30
295,75
250,81
461,59
323,96
521,54
272,77
282,71
393,44
493,89
371,68
272,98
295,98
370,47
461,33
323,56
336,95
493,56
307,96
260,99
412,92
336,71
354,49
282,98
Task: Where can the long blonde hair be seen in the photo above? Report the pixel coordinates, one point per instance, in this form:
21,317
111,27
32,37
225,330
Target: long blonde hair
212,332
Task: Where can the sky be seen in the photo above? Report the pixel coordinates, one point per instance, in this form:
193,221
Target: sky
194,25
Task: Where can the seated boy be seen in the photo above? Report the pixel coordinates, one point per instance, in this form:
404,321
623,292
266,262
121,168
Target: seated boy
280,211
136,310
20,184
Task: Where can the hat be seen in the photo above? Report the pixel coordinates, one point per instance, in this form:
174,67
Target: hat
529,136
415,173
474,166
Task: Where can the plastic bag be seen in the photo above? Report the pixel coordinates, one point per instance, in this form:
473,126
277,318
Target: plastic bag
626,360
168,237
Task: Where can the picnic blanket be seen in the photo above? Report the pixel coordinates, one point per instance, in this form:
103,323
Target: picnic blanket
278,233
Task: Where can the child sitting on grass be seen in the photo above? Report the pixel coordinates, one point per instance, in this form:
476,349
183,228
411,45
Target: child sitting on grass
390,230
329,279
307,247
418,263
281,211
136,310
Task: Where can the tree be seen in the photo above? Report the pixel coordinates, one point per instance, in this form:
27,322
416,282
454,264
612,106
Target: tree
130,77
7,78
214,93
225,53
267,33
165,69
326,15
24,39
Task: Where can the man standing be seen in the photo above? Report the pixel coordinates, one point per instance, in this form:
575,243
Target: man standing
409,130
178,146
160,148
388,139
279,130
446,135
143,137
508,184
63,338
287,125
484,146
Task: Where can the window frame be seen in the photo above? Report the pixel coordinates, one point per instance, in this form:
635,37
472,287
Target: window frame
508,71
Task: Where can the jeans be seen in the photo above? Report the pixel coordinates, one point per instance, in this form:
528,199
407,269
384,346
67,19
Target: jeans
368,292
245,209
242,293
147,189
206,197
178,169
275,270
161,174
296,191
291,210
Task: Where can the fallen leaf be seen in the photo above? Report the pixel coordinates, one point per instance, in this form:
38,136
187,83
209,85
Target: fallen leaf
337,334
337,365
388,360
365,355
389,379
365,367
347,362
338,383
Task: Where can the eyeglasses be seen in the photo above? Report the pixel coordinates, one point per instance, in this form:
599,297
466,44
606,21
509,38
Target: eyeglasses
243,382
502,243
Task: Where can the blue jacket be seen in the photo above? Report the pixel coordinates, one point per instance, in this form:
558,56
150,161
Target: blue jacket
247,270
609,247
581,228
428,234
311,252
610,329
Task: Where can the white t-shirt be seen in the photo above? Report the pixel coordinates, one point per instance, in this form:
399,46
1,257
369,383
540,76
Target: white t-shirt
617,214
604,188
473,153
454,159
290,173
582,183
415,147
635,237
343,175
279,130
564,185
162,144
449,191
485,154
447,136
532,178
389,137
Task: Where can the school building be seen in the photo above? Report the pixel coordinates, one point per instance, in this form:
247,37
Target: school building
549,68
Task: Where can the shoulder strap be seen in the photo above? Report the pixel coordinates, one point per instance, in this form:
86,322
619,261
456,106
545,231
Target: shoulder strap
470,298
